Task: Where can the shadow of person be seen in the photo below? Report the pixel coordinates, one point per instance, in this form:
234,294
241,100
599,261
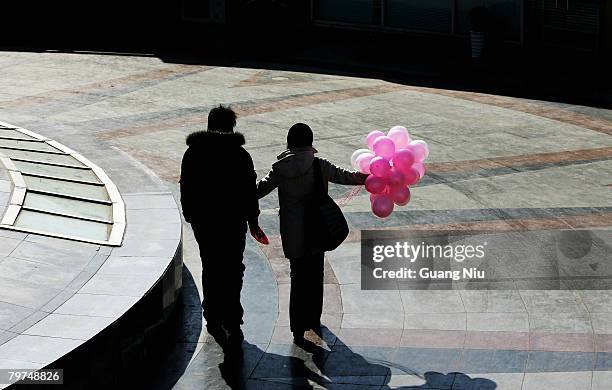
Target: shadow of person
343,366
311,364
258,369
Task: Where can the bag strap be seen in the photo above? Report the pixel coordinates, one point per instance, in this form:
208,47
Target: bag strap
318,177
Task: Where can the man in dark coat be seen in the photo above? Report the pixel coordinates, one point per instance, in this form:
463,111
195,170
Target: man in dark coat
219,199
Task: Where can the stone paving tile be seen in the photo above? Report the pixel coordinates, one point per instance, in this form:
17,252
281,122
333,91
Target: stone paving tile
122,285
346,269
8,245
36,349
382,320
122,265
158,248
603,361
331,320
148,201
603,342
354,300
37,273
57,300
560,323
502,381
8,364
492,301
429,301
13,234
11,314
286,361
6,335
24,293
539,361
557,380
422,360
29,321
498,322
53,254
497,340
601,380
69,326
420,338
96,305
567,342
356,361
380,337
437,321
483,360
553,302
602,322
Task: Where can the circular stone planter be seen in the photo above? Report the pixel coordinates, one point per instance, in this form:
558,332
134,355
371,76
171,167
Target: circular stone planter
94,308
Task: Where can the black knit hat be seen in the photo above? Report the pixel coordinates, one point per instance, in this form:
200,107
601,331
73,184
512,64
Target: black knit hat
299,135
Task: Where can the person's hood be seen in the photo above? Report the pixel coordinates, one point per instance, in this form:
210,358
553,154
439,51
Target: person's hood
294,162
215,139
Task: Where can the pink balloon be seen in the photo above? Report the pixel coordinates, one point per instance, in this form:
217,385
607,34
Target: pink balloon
380,167
372,137
412,176
420,150
420,168
400,136
356,155
400,195
403,159
384,147
382,206
396,178
375,184
363,162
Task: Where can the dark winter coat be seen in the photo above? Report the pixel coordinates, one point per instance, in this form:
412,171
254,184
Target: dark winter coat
218,181
293,174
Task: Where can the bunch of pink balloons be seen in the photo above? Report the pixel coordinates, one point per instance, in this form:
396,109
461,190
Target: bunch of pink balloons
393,162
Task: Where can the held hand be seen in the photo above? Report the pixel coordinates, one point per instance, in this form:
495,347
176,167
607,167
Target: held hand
259,235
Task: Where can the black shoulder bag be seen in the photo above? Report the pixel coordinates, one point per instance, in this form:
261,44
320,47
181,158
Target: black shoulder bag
326,227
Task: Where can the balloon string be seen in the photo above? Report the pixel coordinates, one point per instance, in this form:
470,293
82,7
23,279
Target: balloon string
348,196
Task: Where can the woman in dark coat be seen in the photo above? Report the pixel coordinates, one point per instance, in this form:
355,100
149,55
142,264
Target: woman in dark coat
293,175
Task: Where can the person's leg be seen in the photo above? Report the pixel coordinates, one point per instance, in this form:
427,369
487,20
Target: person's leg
298,297
232,279
210,284
316,299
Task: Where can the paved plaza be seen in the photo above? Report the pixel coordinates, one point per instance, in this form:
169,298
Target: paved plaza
496,164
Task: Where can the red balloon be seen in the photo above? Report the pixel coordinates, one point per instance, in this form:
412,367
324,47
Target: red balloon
403,159
380,167
382,206
412,176
396,178
375,184
400,195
